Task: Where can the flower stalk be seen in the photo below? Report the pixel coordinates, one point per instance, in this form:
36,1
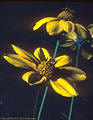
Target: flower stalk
46,89
76,65
36,102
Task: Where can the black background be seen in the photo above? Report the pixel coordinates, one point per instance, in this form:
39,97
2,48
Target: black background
17,98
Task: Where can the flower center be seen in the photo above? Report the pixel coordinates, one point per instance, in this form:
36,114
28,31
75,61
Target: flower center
46,68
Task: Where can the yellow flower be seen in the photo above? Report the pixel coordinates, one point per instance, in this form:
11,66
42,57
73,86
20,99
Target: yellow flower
46,69
81,35
80,32
56,25
72,39
90,28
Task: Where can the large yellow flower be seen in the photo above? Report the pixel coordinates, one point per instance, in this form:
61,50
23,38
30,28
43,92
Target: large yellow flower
56,25
46,69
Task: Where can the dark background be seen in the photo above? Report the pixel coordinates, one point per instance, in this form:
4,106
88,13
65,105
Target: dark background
17,98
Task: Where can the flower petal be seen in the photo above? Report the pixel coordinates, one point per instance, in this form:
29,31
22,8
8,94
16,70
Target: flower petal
24,54
19,61
33,78
54,27
72,35
73,74
42,21
71,26
68,26
62,60
68,43
90,28
63,88
41,54
80,31
81,26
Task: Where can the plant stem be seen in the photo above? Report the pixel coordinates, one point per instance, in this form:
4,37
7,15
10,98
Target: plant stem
57,44
36,101
77,55
76,65
46,89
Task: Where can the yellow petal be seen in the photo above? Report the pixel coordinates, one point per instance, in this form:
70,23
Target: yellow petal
81,26
26,76
90,29
72,35
62,60
14,62
24,54
65,26
74,74
68,43
37,53
68,26
42,21
54,27
71,26
80,31
79,76
29,74
63,88
19,61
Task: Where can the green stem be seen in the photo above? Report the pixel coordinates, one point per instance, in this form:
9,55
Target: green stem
76,65
57,44
36,101
77,55
46,89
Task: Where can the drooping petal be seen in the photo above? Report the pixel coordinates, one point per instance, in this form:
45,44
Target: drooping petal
72,35
86,54
67,43
68,26
42,21
62,60
33,78
24,54
71,26
90,28
19,61
54,27
65,26
78,77
80,31
63,88
73,74
41,53
81,26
